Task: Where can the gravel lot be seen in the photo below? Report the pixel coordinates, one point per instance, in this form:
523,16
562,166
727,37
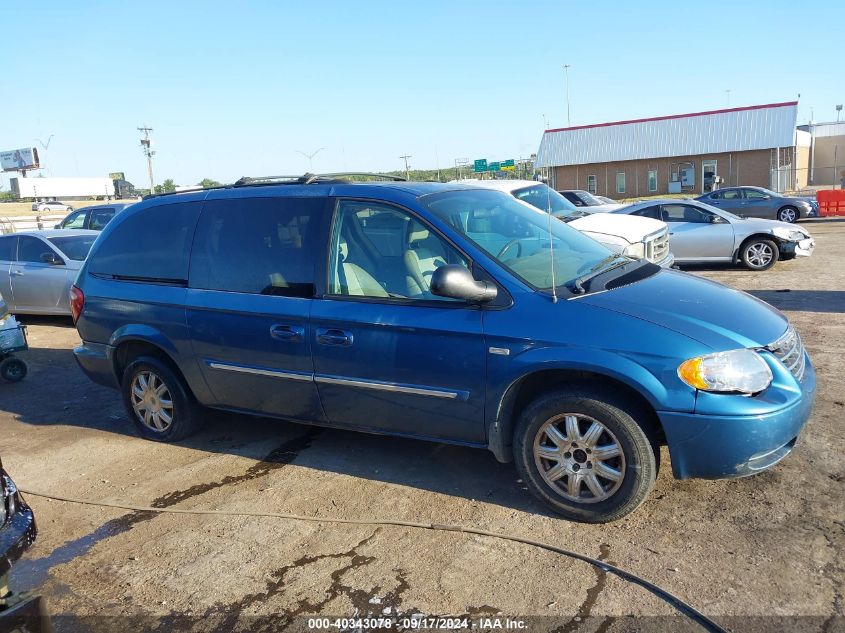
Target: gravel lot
770,545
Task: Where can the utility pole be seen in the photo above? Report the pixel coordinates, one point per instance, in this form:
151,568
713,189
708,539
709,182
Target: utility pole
566,71
728,93
407,167
310,157
146,147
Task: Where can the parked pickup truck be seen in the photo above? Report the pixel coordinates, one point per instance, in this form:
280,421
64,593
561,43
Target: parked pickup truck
643,240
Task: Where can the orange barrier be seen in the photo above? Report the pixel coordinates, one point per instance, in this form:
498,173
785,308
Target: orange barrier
831,202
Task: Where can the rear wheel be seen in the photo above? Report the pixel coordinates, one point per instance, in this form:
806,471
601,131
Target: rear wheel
759,254
13,369
582,453
158,402
788,214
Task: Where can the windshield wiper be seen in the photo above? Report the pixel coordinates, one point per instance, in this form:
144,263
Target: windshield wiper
578,283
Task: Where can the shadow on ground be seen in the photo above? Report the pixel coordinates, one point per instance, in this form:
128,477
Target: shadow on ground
830,301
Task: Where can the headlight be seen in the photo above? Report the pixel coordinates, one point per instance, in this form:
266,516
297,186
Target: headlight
793,235
739,370
635,250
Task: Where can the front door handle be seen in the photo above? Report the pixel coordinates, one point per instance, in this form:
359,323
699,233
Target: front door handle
17,273
290,333
333,336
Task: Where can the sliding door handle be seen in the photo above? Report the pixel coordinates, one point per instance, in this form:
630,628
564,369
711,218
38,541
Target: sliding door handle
289,333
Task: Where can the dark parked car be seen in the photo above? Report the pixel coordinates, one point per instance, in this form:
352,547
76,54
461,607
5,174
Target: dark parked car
18,612
92,218
588,202
442,312
757,202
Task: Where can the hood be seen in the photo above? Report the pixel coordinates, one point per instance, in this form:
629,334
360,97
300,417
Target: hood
764,226
808,200
602,208
632,228
712,314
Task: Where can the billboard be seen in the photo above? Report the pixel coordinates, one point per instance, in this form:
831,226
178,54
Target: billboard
19,159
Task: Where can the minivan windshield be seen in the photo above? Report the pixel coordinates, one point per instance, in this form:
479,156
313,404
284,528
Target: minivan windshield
518,237
542,196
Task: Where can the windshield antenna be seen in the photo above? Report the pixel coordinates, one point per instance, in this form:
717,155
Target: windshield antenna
551,242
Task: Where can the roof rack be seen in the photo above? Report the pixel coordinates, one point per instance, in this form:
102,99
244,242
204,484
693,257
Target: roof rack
312,179
304,179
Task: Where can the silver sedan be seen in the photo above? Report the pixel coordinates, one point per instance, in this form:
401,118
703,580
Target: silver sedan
701,233
37,269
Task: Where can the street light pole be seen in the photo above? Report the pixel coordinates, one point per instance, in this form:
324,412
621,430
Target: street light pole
310,157
566,72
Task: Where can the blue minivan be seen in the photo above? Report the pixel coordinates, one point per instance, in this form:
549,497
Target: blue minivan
440,312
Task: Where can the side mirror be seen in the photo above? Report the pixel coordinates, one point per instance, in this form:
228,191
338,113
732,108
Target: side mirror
52,259
717,219
457,282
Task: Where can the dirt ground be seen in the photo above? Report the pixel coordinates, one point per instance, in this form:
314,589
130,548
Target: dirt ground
763,553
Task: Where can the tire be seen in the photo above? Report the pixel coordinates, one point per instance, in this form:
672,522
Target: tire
759,254
13,369
146,384
788,214
607,489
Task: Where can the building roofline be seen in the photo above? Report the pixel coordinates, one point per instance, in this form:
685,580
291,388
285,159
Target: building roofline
675,116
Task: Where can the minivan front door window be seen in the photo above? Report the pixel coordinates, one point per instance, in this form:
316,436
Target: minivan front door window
381,251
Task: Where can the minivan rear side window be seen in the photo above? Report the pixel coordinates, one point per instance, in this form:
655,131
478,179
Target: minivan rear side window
264,246
7,248
151,245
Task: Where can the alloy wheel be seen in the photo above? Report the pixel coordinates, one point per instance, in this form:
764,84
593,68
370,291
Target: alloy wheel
579,457
760,255
787,215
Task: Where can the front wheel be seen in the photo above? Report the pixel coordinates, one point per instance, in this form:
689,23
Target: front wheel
158,402
759,254
788,214
582,453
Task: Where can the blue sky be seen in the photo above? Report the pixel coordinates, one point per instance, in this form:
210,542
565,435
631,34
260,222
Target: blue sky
236,88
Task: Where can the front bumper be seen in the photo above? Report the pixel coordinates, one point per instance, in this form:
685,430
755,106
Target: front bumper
667,262
723,446
802,248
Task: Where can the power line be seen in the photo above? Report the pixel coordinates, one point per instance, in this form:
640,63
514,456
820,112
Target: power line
566,68
146,147
407,167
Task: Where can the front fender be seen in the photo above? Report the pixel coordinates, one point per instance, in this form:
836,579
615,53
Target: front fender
648,375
